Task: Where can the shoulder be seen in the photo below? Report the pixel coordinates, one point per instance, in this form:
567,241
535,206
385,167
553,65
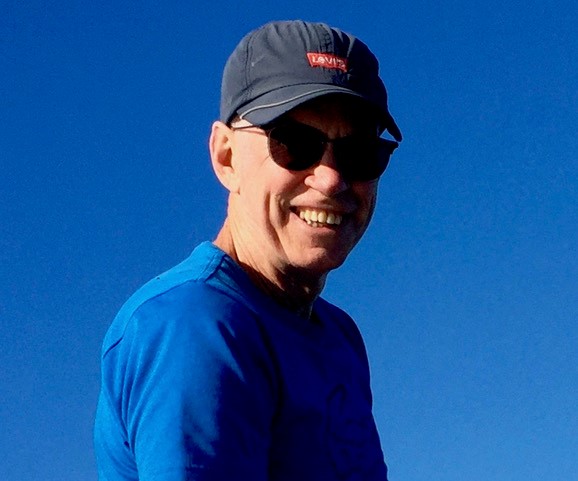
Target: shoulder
342,322
190,298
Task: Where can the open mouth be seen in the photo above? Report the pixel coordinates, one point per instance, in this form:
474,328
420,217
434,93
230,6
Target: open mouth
319,218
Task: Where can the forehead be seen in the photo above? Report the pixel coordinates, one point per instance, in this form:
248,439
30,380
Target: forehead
331,110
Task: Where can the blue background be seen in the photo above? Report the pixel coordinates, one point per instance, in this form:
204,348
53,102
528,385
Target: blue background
465,286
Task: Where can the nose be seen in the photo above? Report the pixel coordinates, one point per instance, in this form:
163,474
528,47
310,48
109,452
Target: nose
325,176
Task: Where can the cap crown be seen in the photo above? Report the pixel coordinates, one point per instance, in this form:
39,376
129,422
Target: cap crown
283,64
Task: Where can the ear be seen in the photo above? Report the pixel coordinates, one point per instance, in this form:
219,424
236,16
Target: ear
221,151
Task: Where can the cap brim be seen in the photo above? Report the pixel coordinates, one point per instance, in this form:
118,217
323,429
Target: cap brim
270,106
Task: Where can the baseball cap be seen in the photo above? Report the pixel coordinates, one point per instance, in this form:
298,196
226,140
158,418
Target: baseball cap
283,64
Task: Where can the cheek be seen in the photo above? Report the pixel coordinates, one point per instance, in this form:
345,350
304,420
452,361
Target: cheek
266,194
367,197
282,186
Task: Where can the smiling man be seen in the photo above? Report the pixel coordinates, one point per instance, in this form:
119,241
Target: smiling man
230,366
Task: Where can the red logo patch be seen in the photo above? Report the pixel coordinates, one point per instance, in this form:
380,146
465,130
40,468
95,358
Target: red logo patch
327,60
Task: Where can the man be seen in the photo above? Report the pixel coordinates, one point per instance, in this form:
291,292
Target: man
230,366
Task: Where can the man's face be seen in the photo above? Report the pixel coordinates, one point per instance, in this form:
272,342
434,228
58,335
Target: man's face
310,220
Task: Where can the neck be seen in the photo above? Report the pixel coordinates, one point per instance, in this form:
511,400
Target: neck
290,288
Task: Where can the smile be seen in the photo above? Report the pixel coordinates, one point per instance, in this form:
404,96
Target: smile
319,218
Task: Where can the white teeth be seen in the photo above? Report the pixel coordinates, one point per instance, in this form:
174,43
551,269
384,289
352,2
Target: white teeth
318,218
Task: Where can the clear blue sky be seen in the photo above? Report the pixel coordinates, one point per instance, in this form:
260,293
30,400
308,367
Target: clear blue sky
465,287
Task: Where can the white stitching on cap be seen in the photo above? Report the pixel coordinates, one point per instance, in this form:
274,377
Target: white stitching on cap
266,106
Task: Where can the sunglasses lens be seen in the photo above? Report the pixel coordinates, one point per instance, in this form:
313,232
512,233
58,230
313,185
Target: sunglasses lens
362,158
296,146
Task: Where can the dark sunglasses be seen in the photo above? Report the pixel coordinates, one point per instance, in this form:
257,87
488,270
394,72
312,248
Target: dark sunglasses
296,146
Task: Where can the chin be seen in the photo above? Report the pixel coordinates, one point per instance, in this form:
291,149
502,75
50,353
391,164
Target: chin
319,262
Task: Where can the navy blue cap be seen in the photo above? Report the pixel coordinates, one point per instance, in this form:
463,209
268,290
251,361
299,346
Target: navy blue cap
283,64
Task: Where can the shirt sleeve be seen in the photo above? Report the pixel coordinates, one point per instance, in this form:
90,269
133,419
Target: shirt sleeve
194,387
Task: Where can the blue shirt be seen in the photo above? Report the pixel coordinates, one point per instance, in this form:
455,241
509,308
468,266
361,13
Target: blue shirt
206,378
